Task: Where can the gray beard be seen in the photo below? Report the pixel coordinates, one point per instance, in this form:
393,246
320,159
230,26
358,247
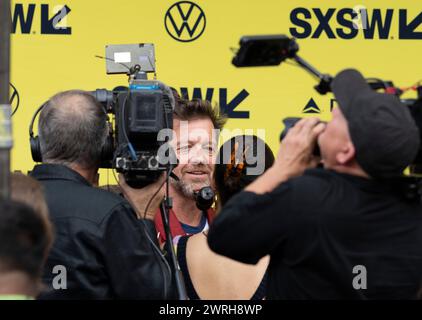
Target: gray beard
187,189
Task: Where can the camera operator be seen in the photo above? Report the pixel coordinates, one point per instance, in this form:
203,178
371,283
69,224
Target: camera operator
106,251
342,232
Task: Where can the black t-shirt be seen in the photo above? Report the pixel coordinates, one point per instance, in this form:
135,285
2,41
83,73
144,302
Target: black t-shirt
324,230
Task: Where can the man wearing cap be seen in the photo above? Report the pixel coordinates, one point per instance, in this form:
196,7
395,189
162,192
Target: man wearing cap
344,231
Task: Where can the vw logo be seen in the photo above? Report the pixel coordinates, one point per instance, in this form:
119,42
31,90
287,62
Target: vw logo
14,100
185,21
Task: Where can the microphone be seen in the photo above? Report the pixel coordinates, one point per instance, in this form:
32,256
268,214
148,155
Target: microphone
204,198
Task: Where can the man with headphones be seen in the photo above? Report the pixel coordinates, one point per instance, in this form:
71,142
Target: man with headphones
102,250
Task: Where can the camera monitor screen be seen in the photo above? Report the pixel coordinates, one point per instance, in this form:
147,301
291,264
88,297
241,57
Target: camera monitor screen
122,57
255,51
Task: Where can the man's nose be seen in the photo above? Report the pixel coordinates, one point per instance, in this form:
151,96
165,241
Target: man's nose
198,156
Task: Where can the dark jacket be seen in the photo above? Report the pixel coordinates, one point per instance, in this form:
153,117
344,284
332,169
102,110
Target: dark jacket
330,236
98,239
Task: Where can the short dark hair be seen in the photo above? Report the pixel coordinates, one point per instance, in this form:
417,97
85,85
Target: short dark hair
197,108
230,178
23,239
72,129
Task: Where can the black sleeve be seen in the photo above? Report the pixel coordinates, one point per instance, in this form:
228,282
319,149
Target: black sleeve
250,226
135,267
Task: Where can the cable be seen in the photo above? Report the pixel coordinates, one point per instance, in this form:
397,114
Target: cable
154,195
165,206
155,73
109,59
129,144
123,117
162,257
152,242
115,178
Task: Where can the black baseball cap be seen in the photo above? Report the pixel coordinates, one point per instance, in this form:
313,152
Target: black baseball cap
382,129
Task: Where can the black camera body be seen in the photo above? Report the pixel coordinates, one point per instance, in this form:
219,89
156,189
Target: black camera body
141,112
143,117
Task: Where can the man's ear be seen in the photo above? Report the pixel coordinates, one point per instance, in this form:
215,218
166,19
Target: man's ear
346,154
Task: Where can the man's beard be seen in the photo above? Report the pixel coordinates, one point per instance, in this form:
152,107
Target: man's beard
188,189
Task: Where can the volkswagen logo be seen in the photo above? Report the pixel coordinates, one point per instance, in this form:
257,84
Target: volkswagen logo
185,21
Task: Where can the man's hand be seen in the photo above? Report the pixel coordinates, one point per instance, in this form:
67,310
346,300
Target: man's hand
139,198
295,154
294,157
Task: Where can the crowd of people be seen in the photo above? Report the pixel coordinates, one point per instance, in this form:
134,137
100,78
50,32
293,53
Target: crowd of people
333,226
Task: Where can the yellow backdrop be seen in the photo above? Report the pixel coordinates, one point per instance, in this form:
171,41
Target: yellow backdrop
46,59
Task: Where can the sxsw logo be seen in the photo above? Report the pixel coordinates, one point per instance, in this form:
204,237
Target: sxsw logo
347,23
226,106
51,23
185,21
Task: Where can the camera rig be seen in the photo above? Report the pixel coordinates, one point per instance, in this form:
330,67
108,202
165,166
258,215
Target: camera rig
272,50
141,111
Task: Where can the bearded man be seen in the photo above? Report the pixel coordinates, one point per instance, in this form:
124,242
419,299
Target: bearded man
196,125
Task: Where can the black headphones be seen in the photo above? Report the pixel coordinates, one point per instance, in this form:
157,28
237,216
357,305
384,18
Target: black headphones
34,142
107,151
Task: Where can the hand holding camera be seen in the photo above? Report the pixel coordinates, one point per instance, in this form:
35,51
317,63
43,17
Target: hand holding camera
296,149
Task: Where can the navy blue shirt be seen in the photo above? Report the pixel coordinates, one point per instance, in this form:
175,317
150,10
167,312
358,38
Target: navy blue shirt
194,230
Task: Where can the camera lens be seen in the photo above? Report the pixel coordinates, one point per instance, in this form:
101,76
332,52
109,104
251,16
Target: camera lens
153,162
143,163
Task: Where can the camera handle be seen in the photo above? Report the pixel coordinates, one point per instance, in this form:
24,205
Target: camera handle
165,206
324,85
